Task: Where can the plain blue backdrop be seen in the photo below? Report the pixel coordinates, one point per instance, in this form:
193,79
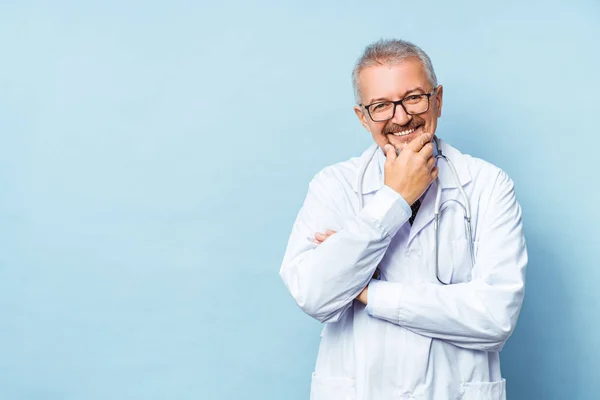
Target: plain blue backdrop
153,157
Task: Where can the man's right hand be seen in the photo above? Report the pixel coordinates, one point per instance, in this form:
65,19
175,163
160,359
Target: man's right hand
411,173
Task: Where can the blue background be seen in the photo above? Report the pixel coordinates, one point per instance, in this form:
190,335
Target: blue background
153,156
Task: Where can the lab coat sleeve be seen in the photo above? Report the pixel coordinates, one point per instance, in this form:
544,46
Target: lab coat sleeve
480,314
324,279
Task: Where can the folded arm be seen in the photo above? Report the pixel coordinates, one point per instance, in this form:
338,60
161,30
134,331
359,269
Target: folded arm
325,279
480,314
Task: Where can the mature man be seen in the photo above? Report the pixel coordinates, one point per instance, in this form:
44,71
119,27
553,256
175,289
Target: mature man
415,306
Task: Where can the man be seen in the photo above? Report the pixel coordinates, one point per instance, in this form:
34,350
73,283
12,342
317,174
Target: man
403,321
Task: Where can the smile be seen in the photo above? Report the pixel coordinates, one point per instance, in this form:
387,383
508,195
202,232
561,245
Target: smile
404,133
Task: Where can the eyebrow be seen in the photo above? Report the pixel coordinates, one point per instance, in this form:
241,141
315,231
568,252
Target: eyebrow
418,88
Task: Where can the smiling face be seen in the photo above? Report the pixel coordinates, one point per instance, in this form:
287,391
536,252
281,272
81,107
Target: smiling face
392,83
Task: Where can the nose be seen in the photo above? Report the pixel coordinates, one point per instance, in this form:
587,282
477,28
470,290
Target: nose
400,117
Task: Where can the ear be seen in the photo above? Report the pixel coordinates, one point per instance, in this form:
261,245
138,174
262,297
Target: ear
438,97
361,117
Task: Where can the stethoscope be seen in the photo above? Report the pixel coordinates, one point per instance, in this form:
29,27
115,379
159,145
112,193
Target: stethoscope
440,207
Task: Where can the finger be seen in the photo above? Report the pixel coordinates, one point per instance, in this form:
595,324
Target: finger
390,153
435,171
313,240
427,150
430,162
329,232
417,143
320,236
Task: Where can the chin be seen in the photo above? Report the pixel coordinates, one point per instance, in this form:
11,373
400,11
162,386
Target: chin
399,144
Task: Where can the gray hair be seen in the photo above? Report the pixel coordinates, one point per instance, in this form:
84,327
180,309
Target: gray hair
390,52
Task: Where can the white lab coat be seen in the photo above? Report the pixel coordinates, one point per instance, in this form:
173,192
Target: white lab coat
416,339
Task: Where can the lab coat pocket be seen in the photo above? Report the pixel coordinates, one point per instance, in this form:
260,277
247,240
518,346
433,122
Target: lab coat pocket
332,388
484,390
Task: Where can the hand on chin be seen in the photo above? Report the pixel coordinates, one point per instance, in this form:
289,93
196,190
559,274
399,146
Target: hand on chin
399,145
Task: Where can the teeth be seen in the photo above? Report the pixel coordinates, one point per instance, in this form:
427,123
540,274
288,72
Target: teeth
404,133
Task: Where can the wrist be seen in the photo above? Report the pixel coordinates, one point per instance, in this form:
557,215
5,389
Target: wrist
404,193
363,296
410,200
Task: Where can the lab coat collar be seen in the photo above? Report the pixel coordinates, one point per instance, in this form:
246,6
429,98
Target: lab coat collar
373,180
458,160
374,173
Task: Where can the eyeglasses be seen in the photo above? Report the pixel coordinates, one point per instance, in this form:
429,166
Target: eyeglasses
412,105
